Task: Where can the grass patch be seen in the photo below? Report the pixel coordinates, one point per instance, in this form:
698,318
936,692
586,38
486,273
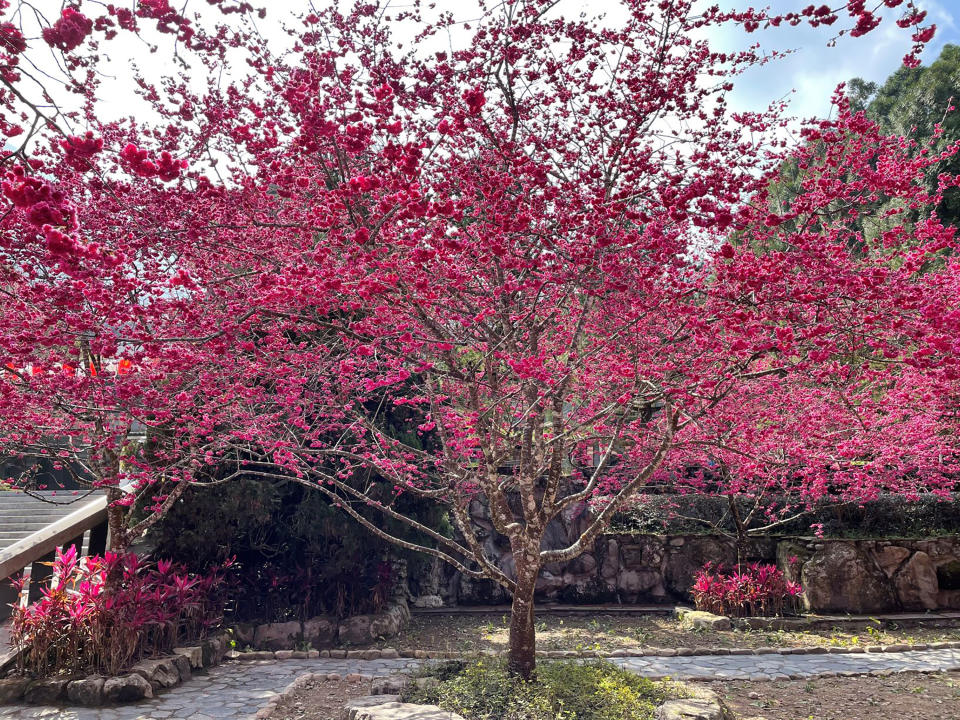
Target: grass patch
563,690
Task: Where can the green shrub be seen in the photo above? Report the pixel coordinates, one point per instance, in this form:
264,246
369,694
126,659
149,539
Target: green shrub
296,555
595,690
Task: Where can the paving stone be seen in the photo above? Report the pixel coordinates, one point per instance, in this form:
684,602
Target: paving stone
237,691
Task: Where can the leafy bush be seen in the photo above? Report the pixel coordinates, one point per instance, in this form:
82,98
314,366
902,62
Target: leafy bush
753,590
596,690
296,556
102,614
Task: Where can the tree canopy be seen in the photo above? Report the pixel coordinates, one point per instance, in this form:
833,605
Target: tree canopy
515,229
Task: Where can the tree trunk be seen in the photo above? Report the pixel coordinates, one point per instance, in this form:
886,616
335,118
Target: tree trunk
117,521
522,660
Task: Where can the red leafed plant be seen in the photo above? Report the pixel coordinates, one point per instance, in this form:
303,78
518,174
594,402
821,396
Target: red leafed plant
751,590
102,614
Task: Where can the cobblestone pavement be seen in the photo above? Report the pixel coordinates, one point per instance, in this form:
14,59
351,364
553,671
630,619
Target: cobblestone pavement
235,691
782,667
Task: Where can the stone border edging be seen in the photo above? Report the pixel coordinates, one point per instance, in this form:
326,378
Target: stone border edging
393,654
141,681
323,630
300,681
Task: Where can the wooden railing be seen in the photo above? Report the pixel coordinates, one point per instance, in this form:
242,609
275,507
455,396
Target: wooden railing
85,528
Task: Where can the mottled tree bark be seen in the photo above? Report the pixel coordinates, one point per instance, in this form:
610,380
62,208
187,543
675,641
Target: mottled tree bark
522,657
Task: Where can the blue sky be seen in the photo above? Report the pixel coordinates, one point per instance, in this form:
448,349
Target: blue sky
809,76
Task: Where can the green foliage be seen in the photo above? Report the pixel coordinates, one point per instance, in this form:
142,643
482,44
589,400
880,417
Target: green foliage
912,103
296,555
596,690
887,516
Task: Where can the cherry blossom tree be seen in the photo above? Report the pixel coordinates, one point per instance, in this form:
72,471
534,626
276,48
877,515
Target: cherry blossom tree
545,244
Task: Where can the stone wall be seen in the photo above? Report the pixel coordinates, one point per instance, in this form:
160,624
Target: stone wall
869,576
838,575
324,631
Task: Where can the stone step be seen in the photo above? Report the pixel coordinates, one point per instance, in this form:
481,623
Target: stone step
39,518
9,532
25,503
19,532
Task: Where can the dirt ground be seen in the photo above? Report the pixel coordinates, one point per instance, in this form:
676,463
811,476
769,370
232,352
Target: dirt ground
320,700
910,696
472,633
897,697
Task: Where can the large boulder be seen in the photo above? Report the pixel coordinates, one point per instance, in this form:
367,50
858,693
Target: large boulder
890,558
642,552
12,688
790,556
159,672
632,583
609,557
278,636
701,704
839,577
687,556
700,620
387,707
916,583
581,589
193,655
214,649
243,633
88,691
319,632
127,688
389,685
549,584
428,601
366,629
691,709
183,667
585,564
46,691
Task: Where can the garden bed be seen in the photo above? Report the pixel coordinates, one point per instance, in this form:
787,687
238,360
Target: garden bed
319,699
611,632
144,680
482,689
913,696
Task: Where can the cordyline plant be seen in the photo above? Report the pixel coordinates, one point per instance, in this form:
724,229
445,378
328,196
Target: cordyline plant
753,590
548,240
102,614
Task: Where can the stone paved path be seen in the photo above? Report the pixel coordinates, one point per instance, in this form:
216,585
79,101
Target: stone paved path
782,667
236,691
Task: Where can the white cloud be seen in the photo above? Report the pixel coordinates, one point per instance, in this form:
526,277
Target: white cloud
809,75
